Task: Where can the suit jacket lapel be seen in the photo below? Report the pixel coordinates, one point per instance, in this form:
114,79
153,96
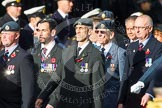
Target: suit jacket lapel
13,54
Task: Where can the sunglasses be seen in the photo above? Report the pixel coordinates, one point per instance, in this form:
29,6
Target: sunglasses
102,32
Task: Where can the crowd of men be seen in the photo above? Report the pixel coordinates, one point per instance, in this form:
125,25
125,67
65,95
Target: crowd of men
57,61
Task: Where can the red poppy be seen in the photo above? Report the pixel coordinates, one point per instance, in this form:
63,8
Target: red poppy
147,52
78,60
109,57
53,60
13,55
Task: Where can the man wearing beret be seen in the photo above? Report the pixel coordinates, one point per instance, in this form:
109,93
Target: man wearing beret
82,77
17,79
13,11
114,57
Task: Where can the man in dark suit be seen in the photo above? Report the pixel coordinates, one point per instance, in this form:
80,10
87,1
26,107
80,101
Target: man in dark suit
48,54
82,74
13,12
153,73
17,80
34,15
65,22
114,57
140,56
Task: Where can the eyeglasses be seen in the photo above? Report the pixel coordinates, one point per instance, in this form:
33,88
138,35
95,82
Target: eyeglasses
140,27
102,32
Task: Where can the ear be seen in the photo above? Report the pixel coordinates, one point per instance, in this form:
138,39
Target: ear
112,35
17,35
53,32
150,29
90,32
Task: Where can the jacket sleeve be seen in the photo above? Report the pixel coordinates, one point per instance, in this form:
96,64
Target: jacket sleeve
27,76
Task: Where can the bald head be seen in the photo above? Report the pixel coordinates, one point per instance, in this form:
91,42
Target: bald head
143,27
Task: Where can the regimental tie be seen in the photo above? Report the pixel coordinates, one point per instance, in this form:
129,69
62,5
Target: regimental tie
140,47
102,51
5,56
44,51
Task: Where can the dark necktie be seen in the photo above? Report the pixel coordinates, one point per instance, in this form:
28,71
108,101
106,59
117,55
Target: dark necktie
78,49
44,51
68,24
140,47
102,50
5,56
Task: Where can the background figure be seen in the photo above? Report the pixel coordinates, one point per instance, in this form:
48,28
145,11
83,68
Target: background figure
129,24
114,59
13,12
158,32
34,15
17,81
140,56
65,23
47,55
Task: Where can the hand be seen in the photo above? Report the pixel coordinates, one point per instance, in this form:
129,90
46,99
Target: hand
145,99
49,106
38,103
120,105
136,88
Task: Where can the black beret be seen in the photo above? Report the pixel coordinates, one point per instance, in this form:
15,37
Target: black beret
84,21
106,14
10,26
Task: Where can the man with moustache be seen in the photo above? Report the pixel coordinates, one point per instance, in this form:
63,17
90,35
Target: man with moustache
47,56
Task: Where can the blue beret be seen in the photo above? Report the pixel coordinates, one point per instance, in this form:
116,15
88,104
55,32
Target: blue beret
158,27
10,26
106,24
106,14
84,21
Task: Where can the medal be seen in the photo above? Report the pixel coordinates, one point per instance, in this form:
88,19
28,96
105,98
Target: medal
82,67
112,67
86,67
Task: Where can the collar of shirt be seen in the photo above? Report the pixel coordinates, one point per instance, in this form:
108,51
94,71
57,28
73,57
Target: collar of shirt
83,47
62,13
49,46
145,41
31,26
15,19
11,49
107,48
133,40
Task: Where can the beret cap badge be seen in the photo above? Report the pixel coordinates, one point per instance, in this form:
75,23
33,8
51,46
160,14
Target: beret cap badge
102,26
79,23
103,16
7,27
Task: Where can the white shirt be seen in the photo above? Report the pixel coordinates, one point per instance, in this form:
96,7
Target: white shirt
49,47
62,13
11,49
83,47
31,26
107,48
145,41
